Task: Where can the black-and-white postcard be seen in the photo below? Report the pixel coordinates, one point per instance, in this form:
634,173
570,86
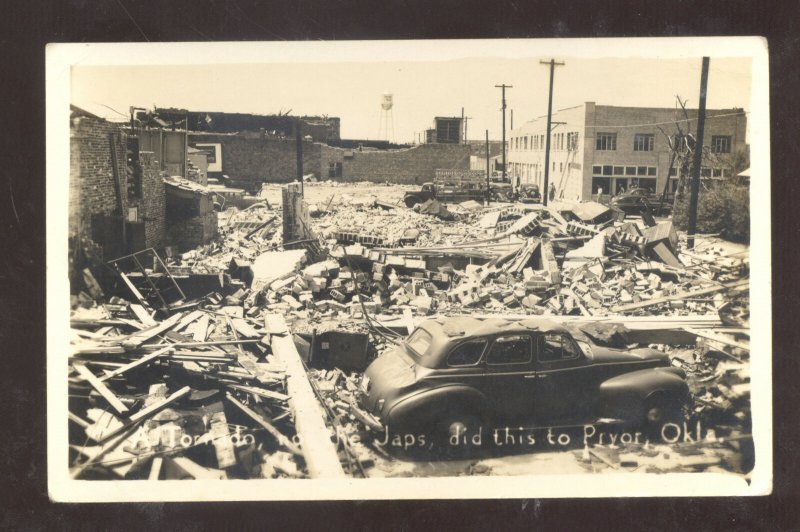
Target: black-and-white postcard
408,269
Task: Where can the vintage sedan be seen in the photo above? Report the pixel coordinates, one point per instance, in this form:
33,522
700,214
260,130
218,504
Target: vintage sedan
454,373
640,200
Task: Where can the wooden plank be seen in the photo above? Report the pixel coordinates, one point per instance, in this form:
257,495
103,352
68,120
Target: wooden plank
282,440
717,338
318,450
101,388
679,296
191,317
155,468
408,320
135,291
137,339
142,315
199,329
245,329
261,392
136,363
147,412
275,324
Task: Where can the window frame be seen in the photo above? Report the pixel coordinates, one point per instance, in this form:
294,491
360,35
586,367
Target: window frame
604,140
485,343
488,353
540,351
716,143
644,142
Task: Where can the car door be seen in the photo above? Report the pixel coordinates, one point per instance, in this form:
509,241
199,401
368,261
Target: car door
563,381
509,375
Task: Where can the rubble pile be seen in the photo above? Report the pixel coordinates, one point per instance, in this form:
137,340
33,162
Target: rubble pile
198,394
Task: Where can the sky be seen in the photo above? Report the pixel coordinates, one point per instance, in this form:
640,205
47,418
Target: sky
421,89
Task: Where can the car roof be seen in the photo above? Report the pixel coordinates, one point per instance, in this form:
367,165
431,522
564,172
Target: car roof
461,327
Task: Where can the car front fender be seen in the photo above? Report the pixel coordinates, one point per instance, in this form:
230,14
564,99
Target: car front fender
625,396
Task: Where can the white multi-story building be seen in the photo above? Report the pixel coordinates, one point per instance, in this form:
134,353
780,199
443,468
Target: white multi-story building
602,147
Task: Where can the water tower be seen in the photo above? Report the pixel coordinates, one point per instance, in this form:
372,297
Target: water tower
386,122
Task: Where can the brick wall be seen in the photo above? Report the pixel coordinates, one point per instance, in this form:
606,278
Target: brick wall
92,189
152,205
187,231
411,165
252,161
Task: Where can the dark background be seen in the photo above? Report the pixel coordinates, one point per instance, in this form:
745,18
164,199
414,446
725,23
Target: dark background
26,28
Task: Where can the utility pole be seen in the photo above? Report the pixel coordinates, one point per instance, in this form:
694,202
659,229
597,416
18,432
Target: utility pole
546,191
698,155
298,142
488,181
503,87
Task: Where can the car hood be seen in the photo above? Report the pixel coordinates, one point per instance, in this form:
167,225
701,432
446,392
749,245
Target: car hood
609,355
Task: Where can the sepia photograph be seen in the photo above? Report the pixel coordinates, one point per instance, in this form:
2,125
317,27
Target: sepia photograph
408,269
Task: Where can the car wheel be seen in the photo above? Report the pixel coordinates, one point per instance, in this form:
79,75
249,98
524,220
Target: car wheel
410,201
660,410
454,432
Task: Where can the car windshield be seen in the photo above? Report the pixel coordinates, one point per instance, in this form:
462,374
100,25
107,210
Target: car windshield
419,343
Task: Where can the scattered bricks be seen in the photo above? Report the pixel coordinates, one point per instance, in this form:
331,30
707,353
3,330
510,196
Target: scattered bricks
377,267
292,302
579,229
511,301
415,264
377,276
338,296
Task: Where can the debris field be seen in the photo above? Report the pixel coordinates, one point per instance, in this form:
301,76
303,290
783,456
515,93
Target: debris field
243,358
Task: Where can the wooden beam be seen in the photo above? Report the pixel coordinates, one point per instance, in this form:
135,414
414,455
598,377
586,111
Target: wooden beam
679,296
319,451
147,412
278,435
101,388
717,338
137,339
136,363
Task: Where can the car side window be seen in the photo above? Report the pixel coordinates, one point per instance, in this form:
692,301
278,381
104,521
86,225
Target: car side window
557,346
466,354
510,350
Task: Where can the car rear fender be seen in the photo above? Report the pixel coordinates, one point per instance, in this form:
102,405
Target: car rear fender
429,405
626,395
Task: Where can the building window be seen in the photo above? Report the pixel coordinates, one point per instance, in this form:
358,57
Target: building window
721,144
643,142
597,169
641,170
608,170
606,141
651,170
630,170
525,139
673,172
334,169
618,170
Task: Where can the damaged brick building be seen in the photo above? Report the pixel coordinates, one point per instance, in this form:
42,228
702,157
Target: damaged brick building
119,201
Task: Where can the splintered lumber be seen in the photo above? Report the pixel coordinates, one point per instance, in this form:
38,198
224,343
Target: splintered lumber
142,315
408,320
147,412
240,326
274,324
199,329
283,440
155,468
679,296
79,420
223,446
136,363
267,394
107,447
203,344
318,450
191,317
101,388
717,338
137,339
